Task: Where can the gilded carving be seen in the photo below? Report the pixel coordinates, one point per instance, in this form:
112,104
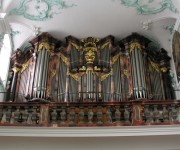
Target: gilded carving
44,45
104,76
16,69
125,71
164,69
104,45
89,47
155,66
74,76
76,46
83,68
134,45
64,59
90,56
115,58
24,66
89,69
53,73
90,43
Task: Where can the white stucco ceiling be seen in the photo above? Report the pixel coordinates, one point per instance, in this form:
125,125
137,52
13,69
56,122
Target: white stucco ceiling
98,18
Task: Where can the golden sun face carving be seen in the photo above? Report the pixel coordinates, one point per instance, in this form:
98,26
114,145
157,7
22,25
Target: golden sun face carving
90,56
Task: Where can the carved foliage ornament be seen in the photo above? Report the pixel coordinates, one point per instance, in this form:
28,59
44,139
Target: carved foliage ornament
46,46
43,9
157,68
148,7
134,45
169,28
90,46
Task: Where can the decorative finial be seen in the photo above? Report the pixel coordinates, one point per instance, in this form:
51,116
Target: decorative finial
36,31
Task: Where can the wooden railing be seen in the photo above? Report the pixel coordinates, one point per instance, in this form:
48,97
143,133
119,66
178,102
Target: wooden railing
132,113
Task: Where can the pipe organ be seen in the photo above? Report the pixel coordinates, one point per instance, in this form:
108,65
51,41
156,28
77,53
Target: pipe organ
89,70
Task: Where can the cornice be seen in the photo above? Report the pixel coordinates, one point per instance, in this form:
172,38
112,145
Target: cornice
89,131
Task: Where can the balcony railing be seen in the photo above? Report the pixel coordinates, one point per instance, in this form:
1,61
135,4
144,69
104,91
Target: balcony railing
63,114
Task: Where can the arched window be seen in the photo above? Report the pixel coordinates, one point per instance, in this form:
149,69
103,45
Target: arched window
4,61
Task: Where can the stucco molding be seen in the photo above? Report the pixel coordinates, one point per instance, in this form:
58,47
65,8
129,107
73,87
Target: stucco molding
89,131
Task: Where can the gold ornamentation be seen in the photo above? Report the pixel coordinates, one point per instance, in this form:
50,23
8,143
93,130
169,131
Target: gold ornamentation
89,69
90,47
115,58
97,69
82,69
46,46
104,76
126,73
90,44
64,59
90,56
76,46
164,69
15,69
95,40
53,73
74,76
24,66
94,49
135,45
155,66
104,45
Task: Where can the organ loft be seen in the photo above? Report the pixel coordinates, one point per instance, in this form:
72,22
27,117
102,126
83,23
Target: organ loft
89,70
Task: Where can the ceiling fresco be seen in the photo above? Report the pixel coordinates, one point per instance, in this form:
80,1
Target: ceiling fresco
148,7
42,9
169,27
46,9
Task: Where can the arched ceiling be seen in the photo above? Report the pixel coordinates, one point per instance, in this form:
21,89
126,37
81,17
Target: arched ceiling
155,19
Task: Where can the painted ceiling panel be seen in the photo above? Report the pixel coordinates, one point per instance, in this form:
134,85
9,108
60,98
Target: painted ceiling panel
83,18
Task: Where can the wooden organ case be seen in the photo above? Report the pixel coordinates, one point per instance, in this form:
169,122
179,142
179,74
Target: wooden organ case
89,70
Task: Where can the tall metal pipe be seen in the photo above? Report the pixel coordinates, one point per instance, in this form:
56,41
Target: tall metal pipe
138,72
44,72
36,75
40,74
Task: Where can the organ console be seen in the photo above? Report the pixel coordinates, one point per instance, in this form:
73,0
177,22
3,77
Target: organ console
89,70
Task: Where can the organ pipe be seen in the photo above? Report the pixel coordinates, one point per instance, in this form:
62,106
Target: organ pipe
41,74
138,74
